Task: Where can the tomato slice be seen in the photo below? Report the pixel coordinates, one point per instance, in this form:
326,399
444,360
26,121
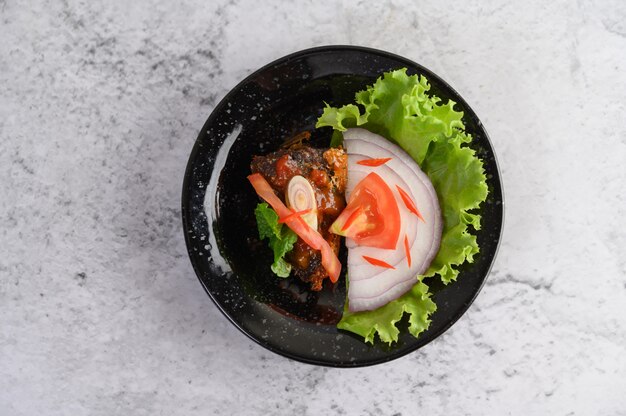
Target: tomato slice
330,262
372,216
357,212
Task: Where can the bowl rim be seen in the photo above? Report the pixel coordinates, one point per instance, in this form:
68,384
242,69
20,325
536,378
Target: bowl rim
196,148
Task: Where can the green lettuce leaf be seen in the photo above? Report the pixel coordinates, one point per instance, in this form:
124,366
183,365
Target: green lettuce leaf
281,238
416,303
398,107
459,179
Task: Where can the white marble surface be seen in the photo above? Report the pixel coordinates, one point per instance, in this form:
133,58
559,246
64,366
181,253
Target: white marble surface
100,311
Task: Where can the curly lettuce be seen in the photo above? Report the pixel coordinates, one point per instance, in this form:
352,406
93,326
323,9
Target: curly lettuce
416,303
397,106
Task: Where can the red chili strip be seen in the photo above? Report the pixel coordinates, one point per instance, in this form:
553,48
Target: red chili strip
409,203
352,218
294,215
407,251
376,262
373,162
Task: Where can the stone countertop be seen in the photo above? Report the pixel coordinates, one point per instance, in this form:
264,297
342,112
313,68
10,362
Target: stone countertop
100,311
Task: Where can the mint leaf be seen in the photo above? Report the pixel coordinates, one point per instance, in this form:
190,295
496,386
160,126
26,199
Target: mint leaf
281,238
281,268
267,221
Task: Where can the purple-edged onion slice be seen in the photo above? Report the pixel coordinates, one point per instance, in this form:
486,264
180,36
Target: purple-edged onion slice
372,286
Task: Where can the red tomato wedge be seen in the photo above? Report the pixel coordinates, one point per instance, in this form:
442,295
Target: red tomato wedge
373,162
330,262
372,216
352,218
293,215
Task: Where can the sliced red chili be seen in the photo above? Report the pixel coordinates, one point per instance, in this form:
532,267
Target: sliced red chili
294,215
352,217
373,162
409,203
407,250
377,262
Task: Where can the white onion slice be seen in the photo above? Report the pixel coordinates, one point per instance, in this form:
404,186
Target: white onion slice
373,286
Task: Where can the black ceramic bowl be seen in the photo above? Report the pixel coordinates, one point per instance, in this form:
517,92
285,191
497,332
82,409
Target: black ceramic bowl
274,103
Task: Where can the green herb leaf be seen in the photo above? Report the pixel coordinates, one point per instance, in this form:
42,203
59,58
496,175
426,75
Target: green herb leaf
281,268
267,221
281,238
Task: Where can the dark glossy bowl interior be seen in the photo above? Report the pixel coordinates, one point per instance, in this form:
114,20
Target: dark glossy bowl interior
271,105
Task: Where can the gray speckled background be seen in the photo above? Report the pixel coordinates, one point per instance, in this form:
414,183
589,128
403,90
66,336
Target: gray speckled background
100,311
